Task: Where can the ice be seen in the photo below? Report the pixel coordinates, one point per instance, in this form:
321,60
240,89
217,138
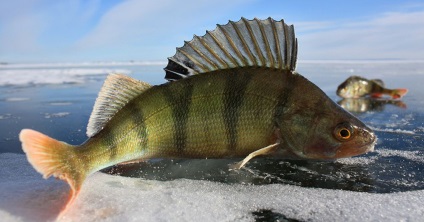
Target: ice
409,155
5,116
60,103
51,76
16,99
82,64
25,196
390,130
178,195
358,160
55,115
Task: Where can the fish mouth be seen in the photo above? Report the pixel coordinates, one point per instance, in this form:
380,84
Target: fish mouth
372,145
372,140
352,150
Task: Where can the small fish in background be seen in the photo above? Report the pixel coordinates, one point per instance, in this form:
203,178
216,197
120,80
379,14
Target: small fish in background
364,104
232,93
356,86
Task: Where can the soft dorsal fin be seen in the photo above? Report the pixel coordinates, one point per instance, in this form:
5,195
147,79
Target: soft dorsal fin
246,43
116,92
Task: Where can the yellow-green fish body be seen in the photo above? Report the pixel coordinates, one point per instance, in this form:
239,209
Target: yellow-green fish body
224,114
235,94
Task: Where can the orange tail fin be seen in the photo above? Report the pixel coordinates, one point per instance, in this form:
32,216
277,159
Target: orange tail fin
398,93
51,157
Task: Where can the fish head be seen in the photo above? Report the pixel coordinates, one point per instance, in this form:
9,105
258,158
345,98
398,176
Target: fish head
354,87
329,137
339,139
318,128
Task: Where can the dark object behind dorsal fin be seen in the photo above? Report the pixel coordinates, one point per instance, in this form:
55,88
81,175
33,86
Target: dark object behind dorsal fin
246,43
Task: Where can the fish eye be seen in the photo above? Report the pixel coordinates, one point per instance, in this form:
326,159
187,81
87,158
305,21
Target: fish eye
343,131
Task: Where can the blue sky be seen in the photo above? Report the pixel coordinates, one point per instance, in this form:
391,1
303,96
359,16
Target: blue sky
79,30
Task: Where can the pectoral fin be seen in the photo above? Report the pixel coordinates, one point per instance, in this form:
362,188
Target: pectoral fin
264,151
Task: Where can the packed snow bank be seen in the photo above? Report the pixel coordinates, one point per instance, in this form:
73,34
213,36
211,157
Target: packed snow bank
25,196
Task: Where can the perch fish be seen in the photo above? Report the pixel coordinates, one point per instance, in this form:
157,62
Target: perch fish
356,86
231,93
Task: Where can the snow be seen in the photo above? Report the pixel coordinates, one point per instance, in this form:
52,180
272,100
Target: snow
81,64
415,155
25,196
51,76
52,115
390,130
16,99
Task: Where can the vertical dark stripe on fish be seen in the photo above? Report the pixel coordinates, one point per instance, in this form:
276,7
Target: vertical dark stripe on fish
180,101
138,119
283,98
375,88
235,88
109,142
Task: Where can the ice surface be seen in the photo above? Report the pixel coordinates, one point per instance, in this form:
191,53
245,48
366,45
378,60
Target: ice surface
180,194
409,155
82,64
5,116
60,103
25,196
53,115
358,160
51,76
389,130
16,99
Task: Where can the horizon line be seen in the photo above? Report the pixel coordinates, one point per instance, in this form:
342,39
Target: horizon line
164,62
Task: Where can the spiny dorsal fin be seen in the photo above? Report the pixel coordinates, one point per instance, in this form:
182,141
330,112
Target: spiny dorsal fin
246,43
116,92
378,81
